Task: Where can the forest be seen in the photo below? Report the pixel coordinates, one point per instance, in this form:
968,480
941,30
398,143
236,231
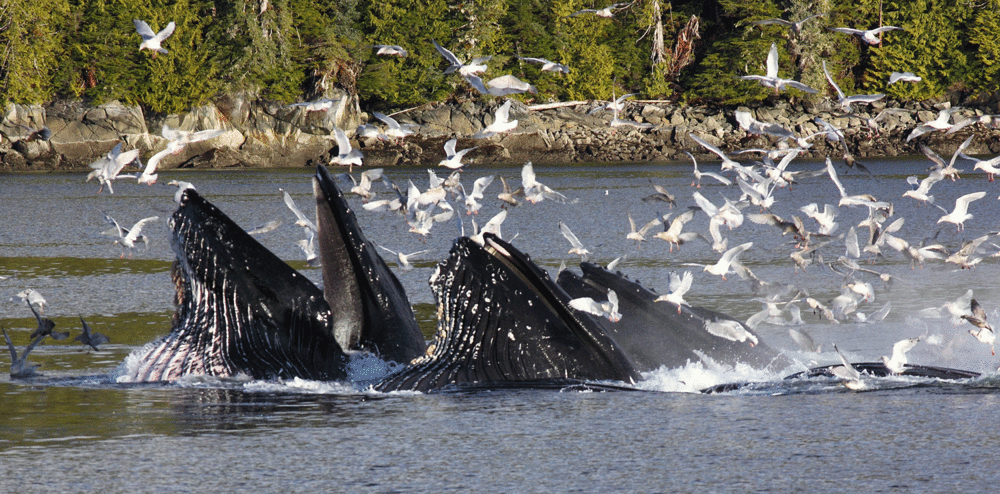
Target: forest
296,50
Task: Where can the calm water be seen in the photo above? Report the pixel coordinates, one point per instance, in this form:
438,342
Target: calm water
73,430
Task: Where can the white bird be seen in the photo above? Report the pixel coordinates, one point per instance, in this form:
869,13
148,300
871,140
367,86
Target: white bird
369,131
322,104
608,309
677,288
985,333
699,174
501,123
20,367
988,166
947,170
308,246
727,163
394,130
151,41
639,235
33,298
501,86
300,217
453,159
576,246
847,372
185,137
804,340
960,213
752,125
508,196
923,187
728,259
127,238
475,66
472,204
771,79
903,77
939,123
616,104
846,102
825,219
392,50
346,155
404,259
547,65
897,363
672,233
869,36
109,167
181,187
606,12
730,330
364,187
492,226
535,191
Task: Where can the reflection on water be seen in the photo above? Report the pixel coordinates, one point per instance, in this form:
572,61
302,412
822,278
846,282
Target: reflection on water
202,435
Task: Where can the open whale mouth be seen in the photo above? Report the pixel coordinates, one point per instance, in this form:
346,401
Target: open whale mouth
502,320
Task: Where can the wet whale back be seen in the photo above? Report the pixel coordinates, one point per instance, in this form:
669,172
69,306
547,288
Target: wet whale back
501,319
370,309
653,334
241,310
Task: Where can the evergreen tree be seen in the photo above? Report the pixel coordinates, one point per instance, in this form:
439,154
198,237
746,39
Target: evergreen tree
31,37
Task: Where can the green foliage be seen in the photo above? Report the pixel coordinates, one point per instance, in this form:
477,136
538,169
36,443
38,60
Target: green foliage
984,70
932,27
31,39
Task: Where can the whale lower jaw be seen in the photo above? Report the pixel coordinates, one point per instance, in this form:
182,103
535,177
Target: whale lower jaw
502,320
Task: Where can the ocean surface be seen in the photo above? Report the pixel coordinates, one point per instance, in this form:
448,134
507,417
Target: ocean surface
75,429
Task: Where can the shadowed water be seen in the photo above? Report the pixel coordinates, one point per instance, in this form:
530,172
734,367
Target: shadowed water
204,434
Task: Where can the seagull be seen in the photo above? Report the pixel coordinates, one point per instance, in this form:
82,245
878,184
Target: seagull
898,360
301,219
501,86
577,246
395,130
752,125
639,235
803,339
939,123
608,309
617,104
453,159
796,27
270,226
322,104
730,330
662,195
985,334
547,65
508,196
727,163
151,41
771,79
678,286
903,77
471,201
364,188
989,166
923,187
606,12
492,226
847,372
392,50
89,337
672,233
825,219
346,155
404,259
181,187
949,170
501,123
699,174
960,214
308,246
20,367
32,297
127,238
108,168
847,101
45,327
869,36
535,191
476,66
728,259
177,139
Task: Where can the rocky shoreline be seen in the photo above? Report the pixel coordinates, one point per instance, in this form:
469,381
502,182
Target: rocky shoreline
263,134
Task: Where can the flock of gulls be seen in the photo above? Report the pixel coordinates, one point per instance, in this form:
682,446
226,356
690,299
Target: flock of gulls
746,188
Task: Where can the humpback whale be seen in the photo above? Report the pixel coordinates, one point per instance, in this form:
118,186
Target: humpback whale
653,334
502,319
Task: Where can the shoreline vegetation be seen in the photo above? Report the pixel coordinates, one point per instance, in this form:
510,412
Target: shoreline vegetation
249,67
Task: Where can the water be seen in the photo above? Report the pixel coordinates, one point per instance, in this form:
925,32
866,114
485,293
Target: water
73,430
